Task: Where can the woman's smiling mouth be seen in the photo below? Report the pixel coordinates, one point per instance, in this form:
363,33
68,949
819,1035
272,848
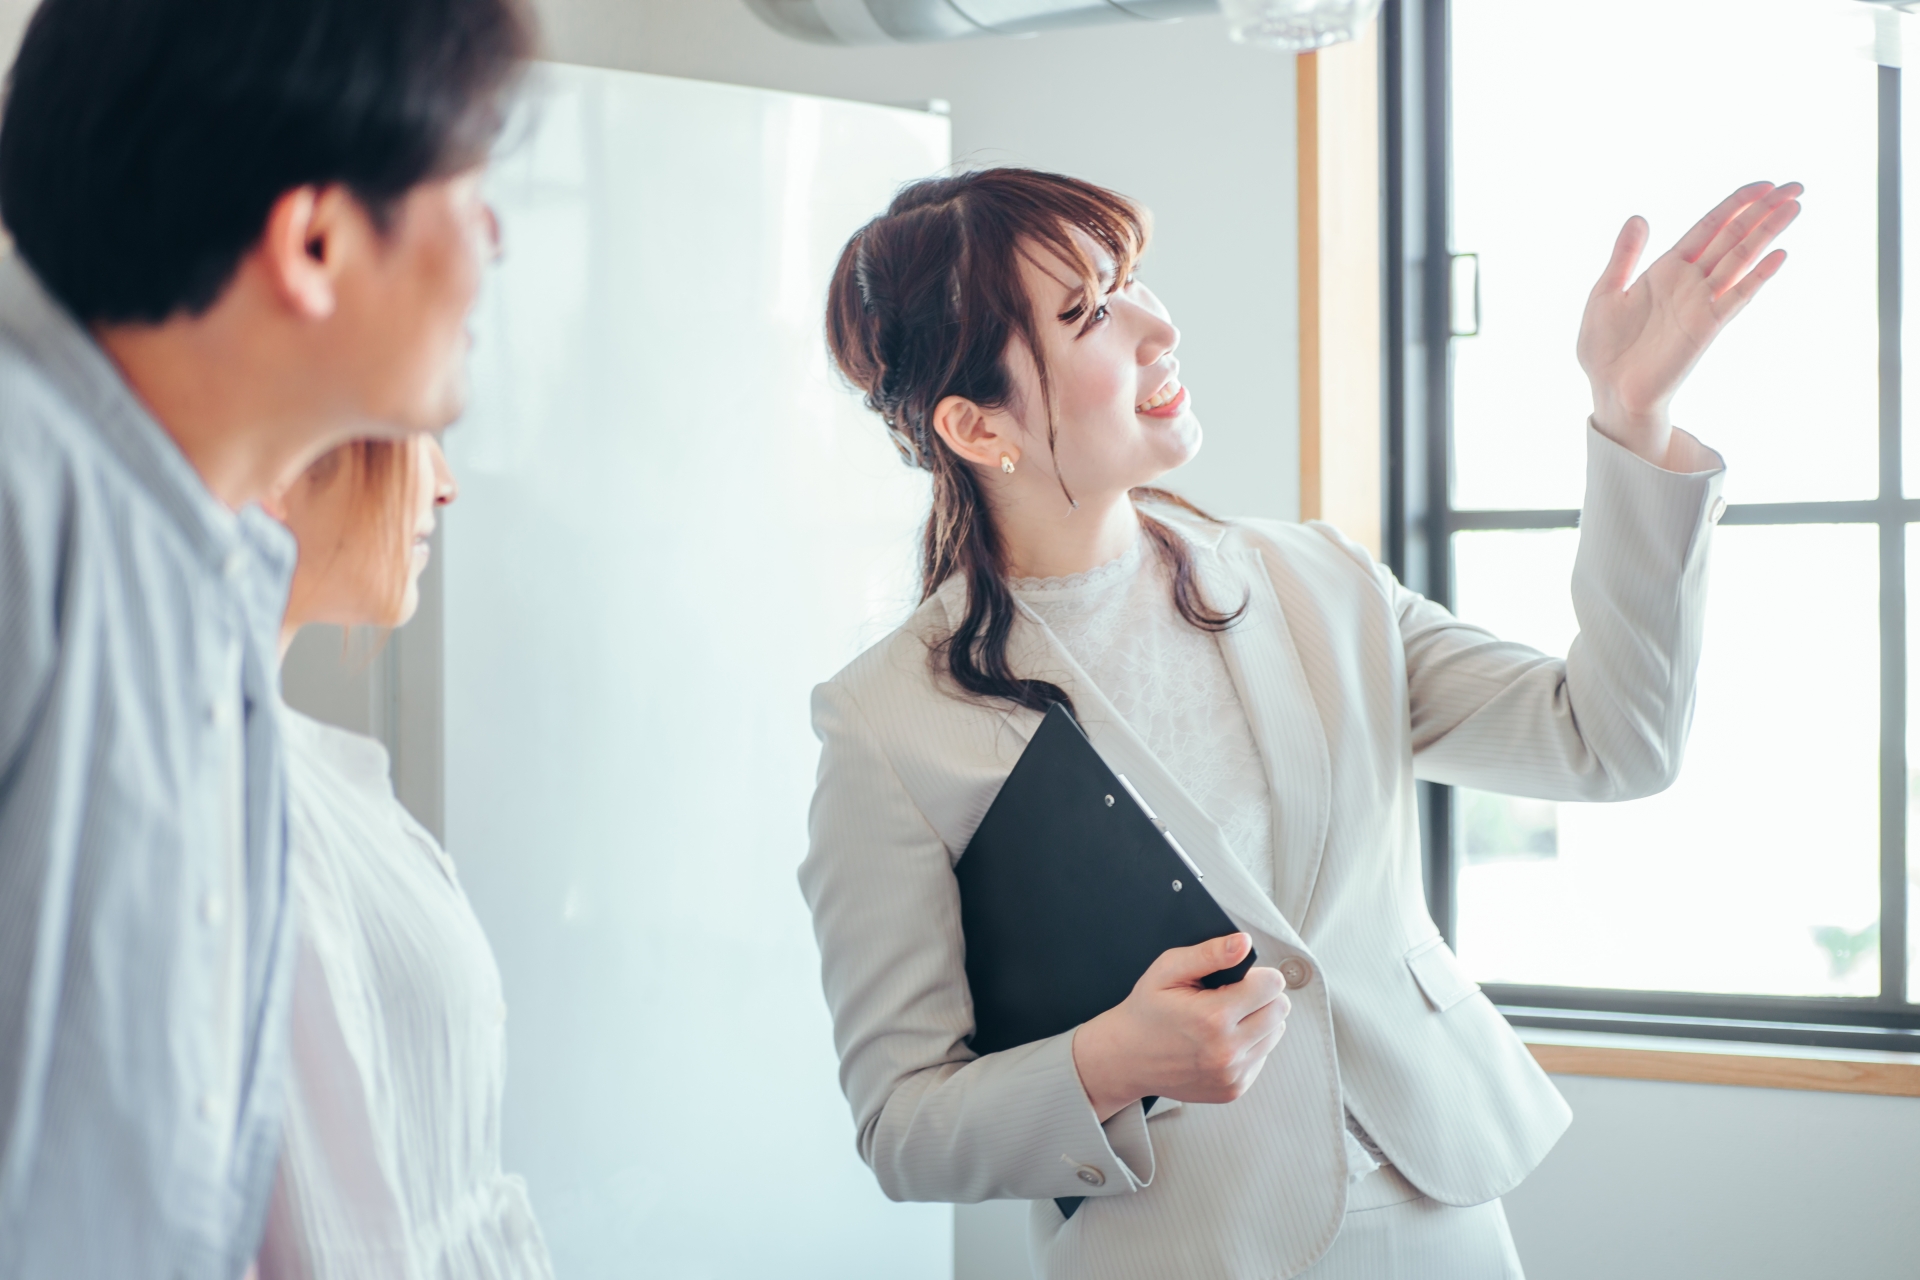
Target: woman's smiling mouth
1167,402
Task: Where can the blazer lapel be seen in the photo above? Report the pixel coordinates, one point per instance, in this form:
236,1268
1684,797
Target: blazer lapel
1266,669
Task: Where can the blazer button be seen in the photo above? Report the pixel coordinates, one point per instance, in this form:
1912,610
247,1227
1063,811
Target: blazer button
1296,971
1090,1175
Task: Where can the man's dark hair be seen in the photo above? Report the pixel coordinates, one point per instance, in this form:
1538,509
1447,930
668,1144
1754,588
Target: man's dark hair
145,141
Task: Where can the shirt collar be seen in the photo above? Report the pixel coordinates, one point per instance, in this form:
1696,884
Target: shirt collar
68,357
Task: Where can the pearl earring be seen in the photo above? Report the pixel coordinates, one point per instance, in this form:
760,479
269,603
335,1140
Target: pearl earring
1006,463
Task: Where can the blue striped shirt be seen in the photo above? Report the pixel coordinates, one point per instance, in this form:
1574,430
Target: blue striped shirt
145,937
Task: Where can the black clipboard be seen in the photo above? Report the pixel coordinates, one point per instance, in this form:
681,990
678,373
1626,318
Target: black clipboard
1069,890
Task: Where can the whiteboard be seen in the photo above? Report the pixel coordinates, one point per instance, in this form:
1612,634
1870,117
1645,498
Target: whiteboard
673,522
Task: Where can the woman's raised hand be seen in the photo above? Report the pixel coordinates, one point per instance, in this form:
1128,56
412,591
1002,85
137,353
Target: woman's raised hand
1173,1038
1637,344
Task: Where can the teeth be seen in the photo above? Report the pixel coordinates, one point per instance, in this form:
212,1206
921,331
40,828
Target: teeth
1164,396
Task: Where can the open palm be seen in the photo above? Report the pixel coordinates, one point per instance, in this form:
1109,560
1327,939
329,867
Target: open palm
1637,344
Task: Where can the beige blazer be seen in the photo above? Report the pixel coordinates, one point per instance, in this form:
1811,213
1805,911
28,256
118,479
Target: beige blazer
1354,686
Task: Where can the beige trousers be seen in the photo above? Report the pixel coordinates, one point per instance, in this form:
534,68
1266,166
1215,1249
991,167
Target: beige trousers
1392,1232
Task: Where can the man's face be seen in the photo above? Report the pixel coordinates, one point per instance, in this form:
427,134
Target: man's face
405,306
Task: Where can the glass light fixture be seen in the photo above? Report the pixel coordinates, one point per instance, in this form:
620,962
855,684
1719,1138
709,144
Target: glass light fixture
1297,25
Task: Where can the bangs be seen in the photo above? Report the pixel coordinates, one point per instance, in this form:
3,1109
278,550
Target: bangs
1107,218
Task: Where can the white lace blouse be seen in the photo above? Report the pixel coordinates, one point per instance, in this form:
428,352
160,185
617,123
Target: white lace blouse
390,1164
1170,680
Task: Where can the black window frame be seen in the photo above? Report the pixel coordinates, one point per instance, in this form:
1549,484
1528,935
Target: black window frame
1419,524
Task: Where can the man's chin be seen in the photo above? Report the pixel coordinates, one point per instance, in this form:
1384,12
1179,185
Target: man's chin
438,412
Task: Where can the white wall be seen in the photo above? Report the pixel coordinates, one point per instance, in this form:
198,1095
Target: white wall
1197,128
1659,1181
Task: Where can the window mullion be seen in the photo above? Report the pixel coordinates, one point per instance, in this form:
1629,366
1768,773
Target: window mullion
1893,569
1443,871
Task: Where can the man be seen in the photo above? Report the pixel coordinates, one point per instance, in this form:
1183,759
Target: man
245,231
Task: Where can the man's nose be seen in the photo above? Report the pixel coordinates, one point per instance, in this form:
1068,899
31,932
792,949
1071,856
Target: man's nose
496,249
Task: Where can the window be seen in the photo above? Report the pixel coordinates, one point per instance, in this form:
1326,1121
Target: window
1765,896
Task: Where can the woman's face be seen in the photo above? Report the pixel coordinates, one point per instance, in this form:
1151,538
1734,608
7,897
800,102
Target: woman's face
350,556
1121,417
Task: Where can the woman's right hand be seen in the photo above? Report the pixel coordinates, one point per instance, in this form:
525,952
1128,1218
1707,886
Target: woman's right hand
1173,1038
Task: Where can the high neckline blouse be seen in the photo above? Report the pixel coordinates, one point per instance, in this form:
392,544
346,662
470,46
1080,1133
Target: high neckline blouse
390,1168
1170,681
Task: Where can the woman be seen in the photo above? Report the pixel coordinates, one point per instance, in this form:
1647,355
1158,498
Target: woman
1273,694
391,1161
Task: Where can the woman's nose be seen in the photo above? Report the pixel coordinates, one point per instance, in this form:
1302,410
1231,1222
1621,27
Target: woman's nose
1159,337
445,487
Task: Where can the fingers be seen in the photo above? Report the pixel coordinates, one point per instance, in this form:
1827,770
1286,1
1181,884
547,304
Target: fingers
1257,1053
1268,1016
1734,300
1626,255
1761,213
1695,242
1734,263
1257,1049
1185,966
1262,989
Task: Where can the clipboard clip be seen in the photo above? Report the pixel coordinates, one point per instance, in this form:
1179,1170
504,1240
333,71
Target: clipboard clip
1154,818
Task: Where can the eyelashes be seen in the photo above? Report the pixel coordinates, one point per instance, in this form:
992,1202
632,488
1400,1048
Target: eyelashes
1100,313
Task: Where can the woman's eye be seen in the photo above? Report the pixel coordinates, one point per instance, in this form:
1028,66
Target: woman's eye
1100,313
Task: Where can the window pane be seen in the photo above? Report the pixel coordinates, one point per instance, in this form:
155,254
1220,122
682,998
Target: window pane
1569,117
1758,871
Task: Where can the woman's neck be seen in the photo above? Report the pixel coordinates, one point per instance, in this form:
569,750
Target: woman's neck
1055,540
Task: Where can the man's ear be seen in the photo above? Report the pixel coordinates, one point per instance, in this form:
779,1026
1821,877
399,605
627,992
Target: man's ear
274,500
974,434
308,236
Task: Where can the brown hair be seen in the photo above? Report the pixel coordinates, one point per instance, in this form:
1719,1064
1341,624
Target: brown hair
382,474
925,304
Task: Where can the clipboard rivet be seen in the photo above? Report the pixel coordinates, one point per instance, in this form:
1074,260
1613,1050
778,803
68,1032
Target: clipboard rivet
1109,802
1177,886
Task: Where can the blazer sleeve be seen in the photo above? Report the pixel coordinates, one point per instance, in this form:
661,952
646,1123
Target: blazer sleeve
1610,721
935,1122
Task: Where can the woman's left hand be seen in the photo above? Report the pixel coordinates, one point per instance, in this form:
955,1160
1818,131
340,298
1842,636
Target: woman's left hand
1638,344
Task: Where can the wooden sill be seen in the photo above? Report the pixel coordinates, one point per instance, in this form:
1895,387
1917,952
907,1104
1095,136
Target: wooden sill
1895,1075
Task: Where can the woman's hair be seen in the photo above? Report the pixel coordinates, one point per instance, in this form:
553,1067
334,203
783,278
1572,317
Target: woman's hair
382,476
926,302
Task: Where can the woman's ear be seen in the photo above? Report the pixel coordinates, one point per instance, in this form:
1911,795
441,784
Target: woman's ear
974,434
